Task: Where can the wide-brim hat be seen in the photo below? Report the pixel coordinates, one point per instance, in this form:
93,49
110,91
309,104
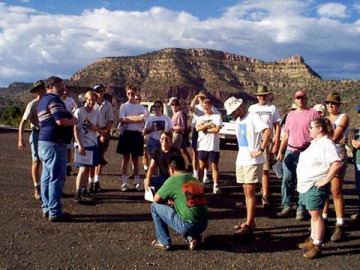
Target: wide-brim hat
262,90
333,97
231,104
36,86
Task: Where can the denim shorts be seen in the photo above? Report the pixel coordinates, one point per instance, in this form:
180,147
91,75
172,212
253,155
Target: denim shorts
152,145
314,198
34,144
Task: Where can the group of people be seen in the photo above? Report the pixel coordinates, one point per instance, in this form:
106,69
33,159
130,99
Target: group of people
311,148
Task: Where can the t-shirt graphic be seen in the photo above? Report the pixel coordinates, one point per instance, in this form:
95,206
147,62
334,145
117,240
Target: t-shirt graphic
160,125
194,193
86,125
242,136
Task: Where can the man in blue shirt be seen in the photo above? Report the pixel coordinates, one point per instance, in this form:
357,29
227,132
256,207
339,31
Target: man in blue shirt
56,128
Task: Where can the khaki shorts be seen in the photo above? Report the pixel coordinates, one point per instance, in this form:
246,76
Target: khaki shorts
251,174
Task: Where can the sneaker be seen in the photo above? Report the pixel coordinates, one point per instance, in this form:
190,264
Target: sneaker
300,215
102,161
97,187
285,212
69,170
216,190
86,197
91,187
63,218
194,244
355,219
77,197
124,187
314,252
338,233
206,181
265,201
37,193
308,244
138,187
45,214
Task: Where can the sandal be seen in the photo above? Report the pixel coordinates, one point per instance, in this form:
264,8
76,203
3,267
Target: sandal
158,245
245,230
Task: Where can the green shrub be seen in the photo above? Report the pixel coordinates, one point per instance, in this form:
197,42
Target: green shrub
11,116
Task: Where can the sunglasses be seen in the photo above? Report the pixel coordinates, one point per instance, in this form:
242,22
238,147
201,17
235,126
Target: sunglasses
130,93
202,97
332,103
137,98
301,97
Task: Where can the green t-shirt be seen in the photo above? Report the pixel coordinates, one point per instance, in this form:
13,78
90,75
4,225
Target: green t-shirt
188,196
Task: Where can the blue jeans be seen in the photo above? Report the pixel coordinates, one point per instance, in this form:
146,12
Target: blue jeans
53,156
357,182
164,216
289,165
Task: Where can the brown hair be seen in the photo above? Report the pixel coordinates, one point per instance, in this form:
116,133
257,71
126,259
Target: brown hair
130,87
325,125
175,102
207,101
51,81
167,134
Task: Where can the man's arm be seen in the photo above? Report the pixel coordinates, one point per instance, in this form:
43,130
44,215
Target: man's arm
21,143
265,142
283,146
66,122
157,198
153,166
276,146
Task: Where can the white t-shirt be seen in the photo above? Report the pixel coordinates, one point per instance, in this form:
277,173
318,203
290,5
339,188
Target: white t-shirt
162,122
70,104
199,111
129,109
314,163
209,141
106,112
249,134
87,137
268,113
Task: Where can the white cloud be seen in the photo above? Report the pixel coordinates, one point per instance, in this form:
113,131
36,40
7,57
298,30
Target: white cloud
333,10
35,45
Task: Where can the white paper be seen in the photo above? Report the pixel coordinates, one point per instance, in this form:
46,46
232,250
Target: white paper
149,194
87,159
277,167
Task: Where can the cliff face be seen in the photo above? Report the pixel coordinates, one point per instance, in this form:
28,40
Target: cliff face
183,72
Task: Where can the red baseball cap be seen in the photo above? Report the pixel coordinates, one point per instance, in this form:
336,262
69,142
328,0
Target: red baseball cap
300,93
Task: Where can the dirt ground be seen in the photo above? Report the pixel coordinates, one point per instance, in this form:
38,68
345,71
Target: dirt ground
116,230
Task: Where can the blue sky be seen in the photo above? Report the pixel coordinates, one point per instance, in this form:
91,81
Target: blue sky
41,38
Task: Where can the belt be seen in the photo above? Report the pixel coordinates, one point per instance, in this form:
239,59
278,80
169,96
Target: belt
301,148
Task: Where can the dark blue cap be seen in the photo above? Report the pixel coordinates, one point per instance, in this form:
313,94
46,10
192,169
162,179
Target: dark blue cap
358,107
97,87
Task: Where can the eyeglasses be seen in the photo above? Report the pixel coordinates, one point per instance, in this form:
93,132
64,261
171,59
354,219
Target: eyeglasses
331,103
130,93
137,98
164,139
301,97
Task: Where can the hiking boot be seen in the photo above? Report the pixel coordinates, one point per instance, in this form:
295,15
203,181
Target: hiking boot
124,187
314,252
216,190
300,215
77,197
63,218
37,193
97,187
308,244
86,197
69,170
285,212
265,201
91,187
338,233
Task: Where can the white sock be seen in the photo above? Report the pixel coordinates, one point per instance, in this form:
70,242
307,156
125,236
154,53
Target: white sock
216,185
146,168
325,216
124,179
36,184
136,179
205,174
91,180
196,174
340,221
97,178
317,242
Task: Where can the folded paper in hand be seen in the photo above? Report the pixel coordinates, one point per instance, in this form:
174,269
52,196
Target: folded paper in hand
277,167
149,194
87,159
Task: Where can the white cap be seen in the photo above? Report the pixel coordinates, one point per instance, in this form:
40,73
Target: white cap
319,108
81,98
170,100
293,106
231,104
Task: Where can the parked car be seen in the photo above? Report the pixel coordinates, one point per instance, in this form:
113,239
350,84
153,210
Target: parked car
227,133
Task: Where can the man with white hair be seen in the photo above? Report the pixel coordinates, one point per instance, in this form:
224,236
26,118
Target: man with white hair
253,137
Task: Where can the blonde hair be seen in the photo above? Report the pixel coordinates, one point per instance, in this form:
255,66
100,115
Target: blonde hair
89,95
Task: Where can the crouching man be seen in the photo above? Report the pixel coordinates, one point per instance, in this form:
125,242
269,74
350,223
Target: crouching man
186,211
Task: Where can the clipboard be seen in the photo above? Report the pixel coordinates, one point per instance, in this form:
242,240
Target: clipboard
149,194
87,159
